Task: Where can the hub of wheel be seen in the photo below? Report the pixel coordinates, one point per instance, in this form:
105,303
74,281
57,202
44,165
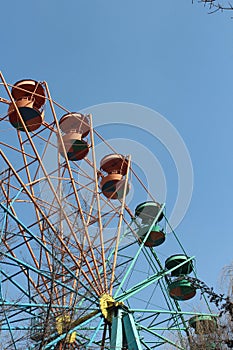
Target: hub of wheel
108,305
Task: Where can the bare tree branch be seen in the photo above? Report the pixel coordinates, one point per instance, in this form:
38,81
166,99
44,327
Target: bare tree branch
215,6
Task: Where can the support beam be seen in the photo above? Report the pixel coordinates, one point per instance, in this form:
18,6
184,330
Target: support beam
117,331
131,333
124,332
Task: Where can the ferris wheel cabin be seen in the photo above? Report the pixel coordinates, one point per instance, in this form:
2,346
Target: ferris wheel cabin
29,98
147,213
203,324
74,127
175,260
113,184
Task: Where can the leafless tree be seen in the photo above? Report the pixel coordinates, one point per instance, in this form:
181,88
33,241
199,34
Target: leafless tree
220,338
215,5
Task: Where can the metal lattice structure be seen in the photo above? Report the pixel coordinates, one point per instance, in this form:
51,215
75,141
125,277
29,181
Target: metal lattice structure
79,268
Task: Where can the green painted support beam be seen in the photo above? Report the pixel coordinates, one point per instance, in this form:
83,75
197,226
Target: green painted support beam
131,333
174,312
117,331
124,331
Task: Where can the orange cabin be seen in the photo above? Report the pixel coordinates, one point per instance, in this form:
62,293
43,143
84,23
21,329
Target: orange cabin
29,97
74,126
113,184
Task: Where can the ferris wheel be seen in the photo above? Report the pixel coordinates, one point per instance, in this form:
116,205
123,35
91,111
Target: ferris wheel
79,267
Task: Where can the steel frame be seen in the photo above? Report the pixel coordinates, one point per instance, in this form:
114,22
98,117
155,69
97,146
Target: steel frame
57,256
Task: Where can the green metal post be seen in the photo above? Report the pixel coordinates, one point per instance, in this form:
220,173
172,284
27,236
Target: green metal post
131,333
124,332
117,331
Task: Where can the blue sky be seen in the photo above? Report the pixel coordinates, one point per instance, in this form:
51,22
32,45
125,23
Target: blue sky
170,56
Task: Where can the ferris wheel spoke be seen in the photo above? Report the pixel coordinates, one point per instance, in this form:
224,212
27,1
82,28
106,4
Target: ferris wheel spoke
10,147
65,155
11,250
10,330
26,241
47,249
119,227
59,203
91,251
145,283
74,328
30,304
52,228
95,333
26,292
46,274
38,264
98,207
171,304
137,254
